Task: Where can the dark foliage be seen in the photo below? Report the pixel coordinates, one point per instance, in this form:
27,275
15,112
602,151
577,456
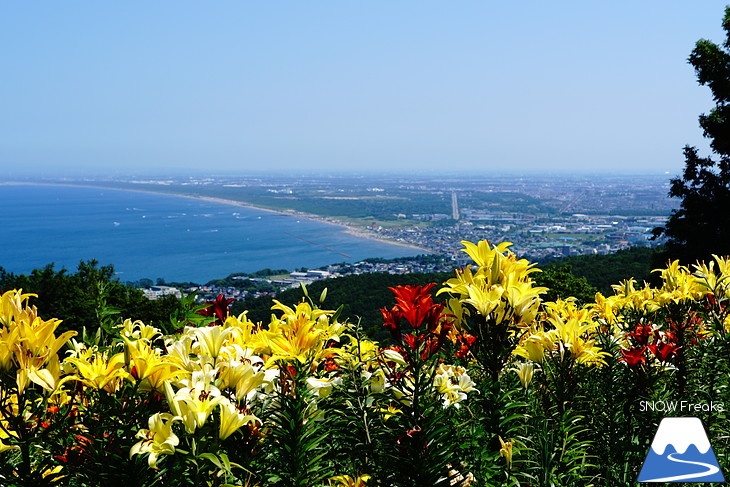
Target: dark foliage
562,283
601,271
80,299
701,226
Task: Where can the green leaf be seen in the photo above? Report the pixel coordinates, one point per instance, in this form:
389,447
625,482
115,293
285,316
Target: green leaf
213,459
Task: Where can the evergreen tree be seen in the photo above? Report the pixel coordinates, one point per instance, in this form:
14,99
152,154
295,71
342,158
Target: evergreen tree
701,226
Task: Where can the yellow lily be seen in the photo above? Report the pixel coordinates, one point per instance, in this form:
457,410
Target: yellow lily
196,403
358,352
181,353
574,330
157,440
232,419
678,284
37,339
348,481
485,300
9,338
99,371
481,253
524,371
302,333
14,307
534,347
247,334
248,382
137,330
390,412
210,340
322,387
500,289
524,298
604,307
149,366
378,383
303,342
506,452
48,378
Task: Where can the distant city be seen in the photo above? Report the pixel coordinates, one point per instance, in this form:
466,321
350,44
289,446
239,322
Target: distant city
545,217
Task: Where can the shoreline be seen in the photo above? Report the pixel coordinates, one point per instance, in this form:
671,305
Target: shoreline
346,228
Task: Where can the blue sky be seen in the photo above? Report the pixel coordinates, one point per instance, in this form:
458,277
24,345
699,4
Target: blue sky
471,86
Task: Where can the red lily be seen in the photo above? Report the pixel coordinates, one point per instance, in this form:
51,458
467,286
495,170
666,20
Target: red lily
465,341
391,320
663,350
634,357
411,436
415,305
218,309
642,333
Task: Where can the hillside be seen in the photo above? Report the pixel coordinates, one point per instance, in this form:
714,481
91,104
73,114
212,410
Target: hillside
601,271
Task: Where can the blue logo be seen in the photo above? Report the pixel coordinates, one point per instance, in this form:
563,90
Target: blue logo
681,452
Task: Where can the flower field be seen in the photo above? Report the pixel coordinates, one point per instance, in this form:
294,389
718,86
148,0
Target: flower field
483,383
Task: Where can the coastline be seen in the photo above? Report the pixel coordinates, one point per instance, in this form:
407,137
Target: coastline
348,229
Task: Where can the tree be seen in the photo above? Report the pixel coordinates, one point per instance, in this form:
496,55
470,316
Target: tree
90,298
701,226
562,284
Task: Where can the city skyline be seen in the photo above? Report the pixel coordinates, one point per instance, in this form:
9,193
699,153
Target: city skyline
136,88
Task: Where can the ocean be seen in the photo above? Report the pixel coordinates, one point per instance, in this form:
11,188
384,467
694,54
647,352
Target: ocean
147,235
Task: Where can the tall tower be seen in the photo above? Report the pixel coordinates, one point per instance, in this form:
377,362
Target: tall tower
454,206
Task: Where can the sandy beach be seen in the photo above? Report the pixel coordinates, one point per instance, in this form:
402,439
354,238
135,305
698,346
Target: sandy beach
349,229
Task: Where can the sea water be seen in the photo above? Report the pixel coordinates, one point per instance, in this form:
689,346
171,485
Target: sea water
148,235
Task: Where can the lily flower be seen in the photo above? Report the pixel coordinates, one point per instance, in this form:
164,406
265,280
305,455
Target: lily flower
195,404
506,452
232,419
157,440
99,372
378,382
663,350
217,309
322,387
634,357
390,412
211,340
348,481
143,358
524,371
180,352
48,378
137,330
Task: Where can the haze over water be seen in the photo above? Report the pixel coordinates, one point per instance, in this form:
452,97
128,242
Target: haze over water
147,235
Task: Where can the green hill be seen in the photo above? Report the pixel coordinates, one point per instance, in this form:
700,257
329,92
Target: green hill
601,271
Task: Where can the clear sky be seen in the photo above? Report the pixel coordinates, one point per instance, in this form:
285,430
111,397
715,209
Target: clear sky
126,87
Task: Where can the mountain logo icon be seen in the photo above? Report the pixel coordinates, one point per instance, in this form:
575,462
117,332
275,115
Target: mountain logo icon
680,452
